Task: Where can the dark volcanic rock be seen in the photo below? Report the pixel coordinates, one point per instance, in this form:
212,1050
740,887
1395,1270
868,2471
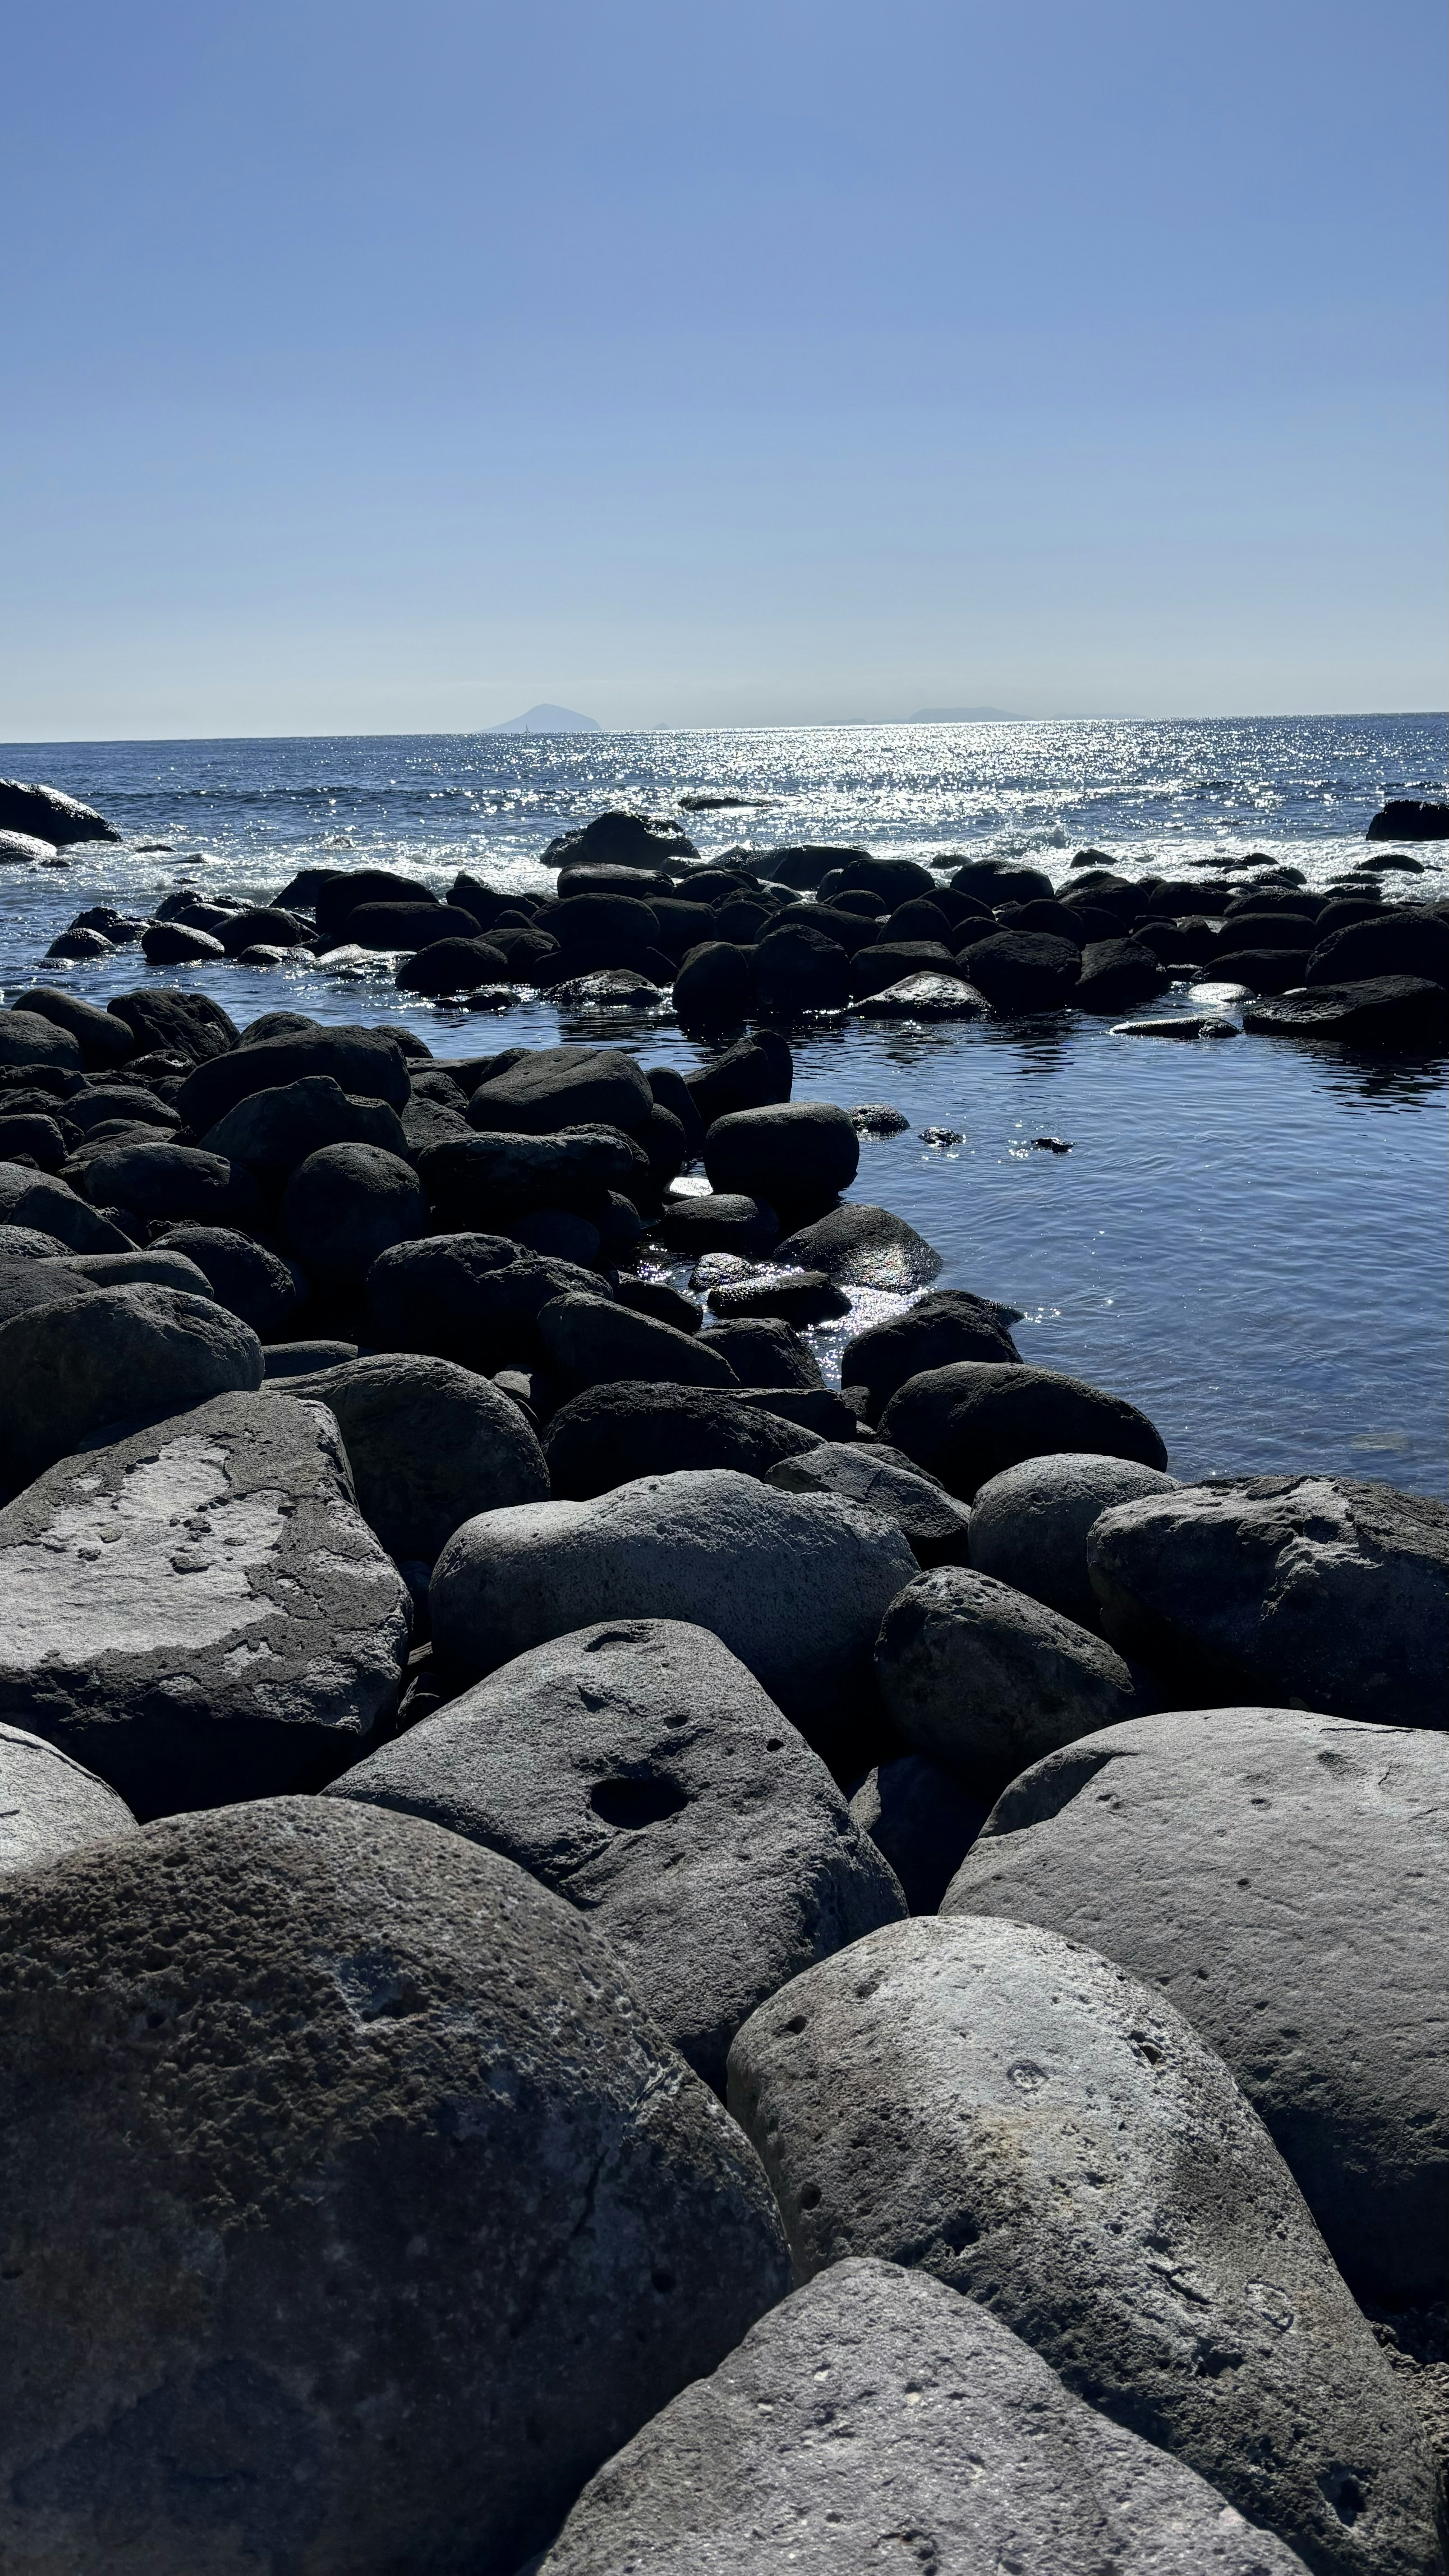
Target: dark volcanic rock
453,965
640,1771
345,1206
968,1421
757,1072
1259,970
933,1522
949,1325
33,1200
763,1351
408,925
48,815
360,1061
335,898
922,1820
1402,818
799,969
1029,1525
1383,1010
797,1297
1046,2134
178,943
271,1132
797,1157
1117,974
611,1435
243,1275
429,1445
1022,970
28,1037
163,1180
50,1806
165,1021
103,1040
714,987
468,1297
118,1355
620,839
722,1221
865,1247
490,1179
198,1612
1294,1591
1281,1877
591,1341
363,2066
564,1086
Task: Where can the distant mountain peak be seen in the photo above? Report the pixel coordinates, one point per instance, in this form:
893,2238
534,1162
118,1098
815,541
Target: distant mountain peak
547,719
963,715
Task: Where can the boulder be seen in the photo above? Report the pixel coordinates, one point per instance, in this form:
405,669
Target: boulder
305,1359
1258,970
994,881
968,1421
102,1102
935,1525
29,1037
1381,1010
1404,940
714,988
271,1132
1281,1877
842,2415
986,1680
1045,2134
48,815
1022,970
25,1283
1409,818
563,1086
178,943
928,997
890,961
198,1612
1117,974
429,1445
763,1351
161,1265
468,1297
797,1297
757,1072
336,896
619,839
1029,1524
530,953
116,1355
643,883
891,881
164,1180
923,1821
461,964
23,849
103,1040
36,1202
246,1277
591,1342
716,1221
32,1134
863,1247
948,1325
366,1063
797,1156
666,1305
614,1434
411,925
491,1179
328,2071
1294,1591
50,1806
639,1770
798,969
796,1585
346,1205
164,1020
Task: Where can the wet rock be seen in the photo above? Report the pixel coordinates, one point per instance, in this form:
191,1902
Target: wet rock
612,1435
1029,1525
50,1806
469,2093
796,1297
1392,1010
720,1221
103,1040
619,839
245,1276
591,1341
969,1420
1410,818
271,1132
198,1612
1258,970
1048,2136
757,1072
877,1118
429,1445
50,816
865,1247
1180,1024
994,881
164,1180
933,1523
797,1157
474,1298
922,1821
638,1769
23,849
336,897
490,1180
929,997
177,943
1119,973
28,1037
459,964
1022,970
763,1351
413,925
346,1205
890,961
564,1086
714,988
949,1325
795,1585
34,1202
1292,1591
797,969
117,1355
1280,1877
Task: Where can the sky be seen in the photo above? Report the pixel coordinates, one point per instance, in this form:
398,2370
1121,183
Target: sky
383,368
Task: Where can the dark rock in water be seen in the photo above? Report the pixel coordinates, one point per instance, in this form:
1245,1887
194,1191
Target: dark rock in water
164,1021
968,1421
1044,912
682,926
928,997
452,965
118,1355
564,1086
81,943
474,1298
176,943
362,1062
877,1118
942,1136
889,962
1119,973
271,1132
1402,818
638,1769
799,970
1048,2136
198,1612
1382,1010
718,1221
601,929
656,1298
1180,1024
892,881
994,881
336,898
740,2466
262,926
28,1037
346,1205
1402,942
1259,970
1284,927
714,988
49,1806
933,1522
642,884
863,1247
923,1822
612,1435
304,1359
158,1179
530,953
1346,908
840,923
612,989
429,1445
755,1073
1029,1525
763,1351
383,926
103,1040
1022,970
591,1341
244,1276
806,864
796,1585
487,1178
470,2093
620,840
49,815
799,1297
948,1325
22,849
986,1680
797,1157
1280,1876
1294,1591
32,1199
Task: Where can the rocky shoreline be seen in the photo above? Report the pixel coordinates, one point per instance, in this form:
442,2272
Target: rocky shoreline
618,1959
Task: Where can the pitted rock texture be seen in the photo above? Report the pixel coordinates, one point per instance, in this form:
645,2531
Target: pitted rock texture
49,1805
199,1612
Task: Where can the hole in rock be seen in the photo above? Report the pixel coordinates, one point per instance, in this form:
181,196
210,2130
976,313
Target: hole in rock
1343,2492
630,1805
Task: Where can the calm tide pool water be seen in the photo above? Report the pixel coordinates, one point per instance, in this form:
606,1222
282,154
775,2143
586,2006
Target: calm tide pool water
1248,1237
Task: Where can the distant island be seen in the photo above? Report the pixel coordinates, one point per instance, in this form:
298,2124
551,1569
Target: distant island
963,715
546,719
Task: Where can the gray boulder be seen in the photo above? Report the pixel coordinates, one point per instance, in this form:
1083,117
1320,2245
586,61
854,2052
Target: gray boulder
49,1805
1282,1878
199,1613
935,1525
429,1445
27,1037
591,1341
969,1421
271,1132
1047,2135
840,2422
986,1680
398,2215
639,1770
797,1155
177,1181
611,1435
922,1820
36,1202
29,1243
246,1277
475,1298
564,1086
103,1040
1295,1591
863,1247
948,1325
763,1350
795,1585
700,1222
24,1284
346,1205
367,1063
1029,1524
115,1355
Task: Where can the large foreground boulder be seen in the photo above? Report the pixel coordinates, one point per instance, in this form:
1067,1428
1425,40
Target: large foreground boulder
1046,2134
639,1770
49,1805
841,2422
796,1585
1283,1878
970,1420
611,1435
397,2215
429,1445
116,1355
199,1613
1292,1591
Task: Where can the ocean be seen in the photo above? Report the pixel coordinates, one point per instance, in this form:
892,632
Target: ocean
1248,1237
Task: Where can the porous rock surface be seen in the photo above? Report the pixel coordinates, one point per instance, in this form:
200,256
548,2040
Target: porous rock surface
1029,1524
68,1370
969,1420
49,1804
429,1445
355,2211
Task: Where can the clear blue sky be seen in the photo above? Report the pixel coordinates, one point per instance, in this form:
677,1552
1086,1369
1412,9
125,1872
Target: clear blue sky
384,367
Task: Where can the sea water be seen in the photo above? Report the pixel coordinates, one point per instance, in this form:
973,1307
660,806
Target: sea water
1247,1236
